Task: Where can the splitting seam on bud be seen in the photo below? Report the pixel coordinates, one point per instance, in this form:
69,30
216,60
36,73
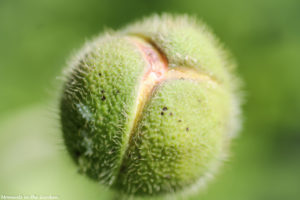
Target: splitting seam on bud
157,72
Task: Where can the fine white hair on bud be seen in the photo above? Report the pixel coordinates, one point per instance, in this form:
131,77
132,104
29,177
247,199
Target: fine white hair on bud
151,109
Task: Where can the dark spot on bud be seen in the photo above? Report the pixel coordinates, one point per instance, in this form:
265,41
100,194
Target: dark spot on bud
162,113
102,91
179,120
165,108
187,129
99,74
103,98
118,91
171,114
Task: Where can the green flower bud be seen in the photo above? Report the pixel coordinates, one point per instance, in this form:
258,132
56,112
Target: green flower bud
151,109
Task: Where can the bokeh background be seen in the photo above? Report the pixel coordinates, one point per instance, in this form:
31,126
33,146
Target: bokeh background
38,36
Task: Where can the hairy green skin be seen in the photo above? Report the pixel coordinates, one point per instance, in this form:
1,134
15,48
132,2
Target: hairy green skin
158,137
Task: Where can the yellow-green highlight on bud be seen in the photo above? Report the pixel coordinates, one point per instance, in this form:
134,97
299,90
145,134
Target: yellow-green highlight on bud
151,109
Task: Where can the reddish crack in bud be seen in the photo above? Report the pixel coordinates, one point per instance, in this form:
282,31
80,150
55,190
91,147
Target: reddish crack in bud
156,68
157,65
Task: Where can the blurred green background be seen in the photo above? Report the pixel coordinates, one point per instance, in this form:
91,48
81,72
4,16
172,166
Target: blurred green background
38,36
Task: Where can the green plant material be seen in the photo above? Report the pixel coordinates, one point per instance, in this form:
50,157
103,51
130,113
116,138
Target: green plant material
151,109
